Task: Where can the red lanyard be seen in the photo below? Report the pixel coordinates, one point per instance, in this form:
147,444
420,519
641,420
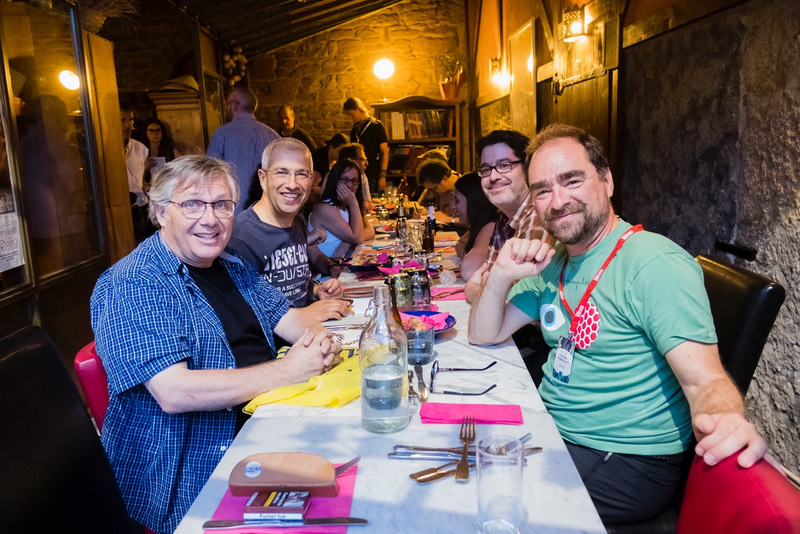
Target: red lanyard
576,315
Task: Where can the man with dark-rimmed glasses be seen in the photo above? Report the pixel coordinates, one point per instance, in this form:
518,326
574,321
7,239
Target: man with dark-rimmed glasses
503,179
184,331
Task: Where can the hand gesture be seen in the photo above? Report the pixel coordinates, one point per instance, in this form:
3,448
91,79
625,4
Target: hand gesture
721,435
307,357
520,258
345,194
325,310
343,251
329,289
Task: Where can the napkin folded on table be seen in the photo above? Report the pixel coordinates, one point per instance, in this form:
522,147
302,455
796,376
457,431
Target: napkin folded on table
437,320
396,269
488,414
333,389
232,508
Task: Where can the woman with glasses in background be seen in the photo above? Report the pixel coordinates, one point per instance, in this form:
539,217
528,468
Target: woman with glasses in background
162,149
340,212
471,207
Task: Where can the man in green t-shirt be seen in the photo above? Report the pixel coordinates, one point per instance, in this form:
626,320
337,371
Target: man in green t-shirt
633,367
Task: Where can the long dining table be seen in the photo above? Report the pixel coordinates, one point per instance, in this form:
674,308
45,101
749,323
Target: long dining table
554,497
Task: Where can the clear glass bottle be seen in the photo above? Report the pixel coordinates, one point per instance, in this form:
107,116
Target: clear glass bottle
383,359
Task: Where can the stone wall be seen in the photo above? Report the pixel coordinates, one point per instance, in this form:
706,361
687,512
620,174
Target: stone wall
712,152
316,75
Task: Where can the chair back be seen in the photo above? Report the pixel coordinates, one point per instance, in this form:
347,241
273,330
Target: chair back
725,498
744,305
54,472
94,382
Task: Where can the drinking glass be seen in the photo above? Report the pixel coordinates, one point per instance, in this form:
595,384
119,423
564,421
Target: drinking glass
499,485
420,344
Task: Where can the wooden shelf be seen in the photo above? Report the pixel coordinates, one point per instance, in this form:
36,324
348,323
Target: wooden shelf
415,124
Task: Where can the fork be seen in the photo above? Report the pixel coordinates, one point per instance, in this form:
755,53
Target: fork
466,437
338,471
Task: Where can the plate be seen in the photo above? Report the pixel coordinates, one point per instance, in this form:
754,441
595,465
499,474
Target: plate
448,324
366,266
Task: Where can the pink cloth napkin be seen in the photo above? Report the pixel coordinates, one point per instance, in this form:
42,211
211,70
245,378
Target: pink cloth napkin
396,269
383,257
444,413
438,320
456,296
232,508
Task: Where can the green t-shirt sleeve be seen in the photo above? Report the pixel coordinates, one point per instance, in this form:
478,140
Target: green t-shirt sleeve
668,301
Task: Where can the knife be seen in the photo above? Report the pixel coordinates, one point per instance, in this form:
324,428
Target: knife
423,389
398,455
415,448
220,524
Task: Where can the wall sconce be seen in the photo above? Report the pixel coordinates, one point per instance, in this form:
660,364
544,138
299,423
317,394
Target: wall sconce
499,76
573,25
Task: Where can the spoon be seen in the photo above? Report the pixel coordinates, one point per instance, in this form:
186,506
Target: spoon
411,393
423,389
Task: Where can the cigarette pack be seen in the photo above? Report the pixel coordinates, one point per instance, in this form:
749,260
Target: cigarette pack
285,505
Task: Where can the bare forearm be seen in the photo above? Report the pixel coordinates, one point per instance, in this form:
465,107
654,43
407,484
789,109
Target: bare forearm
294,324
179,389
714,396
356,224
487,314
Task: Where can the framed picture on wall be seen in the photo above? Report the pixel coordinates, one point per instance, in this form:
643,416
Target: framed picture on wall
523,80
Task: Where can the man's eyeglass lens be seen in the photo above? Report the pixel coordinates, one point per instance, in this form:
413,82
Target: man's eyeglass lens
502,168
300,175
194,209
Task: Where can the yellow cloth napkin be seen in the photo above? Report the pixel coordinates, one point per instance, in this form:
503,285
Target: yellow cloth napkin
335,388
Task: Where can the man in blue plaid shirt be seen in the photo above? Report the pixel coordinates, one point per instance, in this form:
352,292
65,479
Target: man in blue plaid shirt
185,332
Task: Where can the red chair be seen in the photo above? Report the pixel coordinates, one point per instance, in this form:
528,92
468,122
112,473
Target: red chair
94,382
726,498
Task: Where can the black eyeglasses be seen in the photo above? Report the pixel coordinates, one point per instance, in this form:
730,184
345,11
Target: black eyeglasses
436,370
194,209
154,130
503,167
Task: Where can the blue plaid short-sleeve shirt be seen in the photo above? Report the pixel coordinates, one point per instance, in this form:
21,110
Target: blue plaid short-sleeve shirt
148,314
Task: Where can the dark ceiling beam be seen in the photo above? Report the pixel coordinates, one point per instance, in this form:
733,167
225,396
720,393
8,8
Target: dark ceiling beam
261,43
211,9
275,20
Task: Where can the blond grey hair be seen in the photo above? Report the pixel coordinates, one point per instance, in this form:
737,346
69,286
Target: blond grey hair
187,172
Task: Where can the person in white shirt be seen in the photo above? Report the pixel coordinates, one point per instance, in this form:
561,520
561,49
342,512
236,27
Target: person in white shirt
135,160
